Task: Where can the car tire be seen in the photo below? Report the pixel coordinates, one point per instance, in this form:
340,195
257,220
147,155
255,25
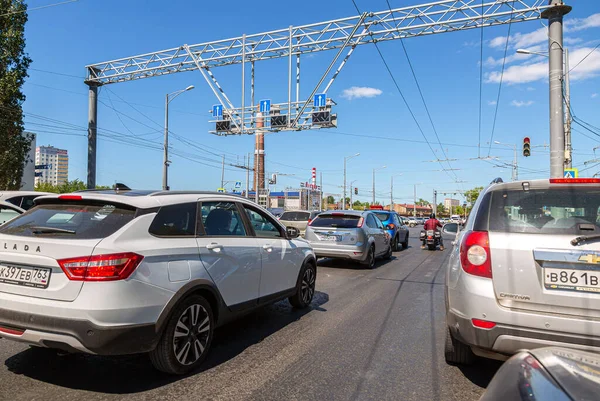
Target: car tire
179,352
305,289
388,254
431,247
457,353
396,244
405,243
369,263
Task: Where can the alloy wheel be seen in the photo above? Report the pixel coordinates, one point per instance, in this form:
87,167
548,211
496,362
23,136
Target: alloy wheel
308,285
191,335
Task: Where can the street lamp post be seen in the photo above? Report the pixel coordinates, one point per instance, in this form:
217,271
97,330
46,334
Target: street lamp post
515,167
344,191
169,98
351,186
392,192
374,170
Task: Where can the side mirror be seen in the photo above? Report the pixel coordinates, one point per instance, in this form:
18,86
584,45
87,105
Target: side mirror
292,232
450,228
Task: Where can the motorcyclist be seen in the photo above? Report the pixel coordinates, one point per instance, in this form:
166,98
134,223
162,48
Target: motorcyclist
433,224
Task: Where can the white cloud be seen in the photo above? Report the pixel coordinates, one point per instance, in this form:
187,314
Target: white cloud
357,92
521,103
594,95
579,24
572,41
491,102
589,67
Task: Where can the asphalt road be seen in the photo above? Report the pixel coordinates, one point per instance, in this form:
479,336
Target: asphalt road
369,335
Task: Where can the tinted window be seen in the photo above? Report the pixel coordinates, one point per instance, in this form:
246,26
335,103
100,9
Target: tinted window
222,219
371,221
15,201
336,221
263,226
7,214
382,216
550,211
295,216
379,223
175,220
27,202
75,220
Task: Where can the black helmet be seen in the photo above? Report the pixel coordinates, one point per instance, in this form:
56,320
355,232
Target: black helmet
432,216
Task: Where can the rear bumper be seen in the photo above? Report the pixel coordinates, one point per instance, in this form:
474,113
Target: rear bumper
507,340
77,335
357,253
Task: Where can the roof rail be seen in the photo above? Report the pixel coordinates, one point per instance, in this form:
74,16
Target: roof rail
496,181
163,193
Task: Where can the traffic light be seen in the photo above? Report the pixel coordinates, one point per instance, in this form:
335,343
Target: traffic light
355,191
526,147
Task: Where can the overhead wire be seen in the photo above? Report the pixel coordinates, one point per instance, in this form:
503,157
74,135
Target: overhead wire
480,83
581,61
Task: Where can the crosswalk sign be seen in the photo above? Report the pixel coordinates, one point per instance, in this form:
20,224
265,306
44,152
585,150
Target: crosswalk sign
571,173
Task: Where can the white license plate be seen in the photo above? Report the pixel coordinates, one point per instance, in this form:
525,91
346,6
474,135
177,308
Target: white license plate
331,238
571,279
36,277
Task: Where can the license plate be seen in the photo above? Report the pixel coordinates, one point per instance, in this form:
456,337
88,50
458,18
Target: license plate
332,238
571,279
36,277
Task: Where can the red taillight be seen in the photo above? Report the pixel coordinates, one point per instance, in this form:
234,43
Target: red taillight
392,226
361,221
574,180
70,197
475,255
115,266
483,324
14,332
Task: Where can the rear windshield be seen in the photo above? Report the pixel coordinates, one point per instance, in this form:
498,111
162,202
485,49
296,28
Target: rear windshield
295,216
548,211
382,216
72,221
345,221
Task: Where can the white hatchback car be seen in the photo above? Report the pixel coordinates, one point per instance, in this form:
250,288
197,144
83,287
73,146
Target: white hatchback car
108,273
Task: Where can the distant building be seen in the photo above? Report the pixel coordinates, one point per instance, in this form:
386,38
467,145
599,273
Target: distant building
404,209
56,162
450,203
28,178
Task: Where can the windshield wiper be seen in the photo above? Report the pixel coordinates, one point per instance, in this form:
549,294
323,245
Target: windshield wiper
50,230
584,238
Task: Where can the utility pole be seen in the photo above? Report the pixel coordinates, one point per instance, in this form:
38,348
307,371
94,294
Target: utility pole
92,134
248,177
554,15
568,146
344,189
435,202
222,171
321,191
165,183
415,202
515,172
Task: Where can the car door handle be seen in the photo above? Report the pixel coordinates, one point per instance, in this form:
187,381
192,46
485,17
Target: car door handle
268,248
213,246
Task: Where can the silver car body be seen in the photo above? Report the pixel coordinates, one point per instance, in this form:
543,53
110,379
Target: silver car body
22,199
234,272
348,243
524,308
8,211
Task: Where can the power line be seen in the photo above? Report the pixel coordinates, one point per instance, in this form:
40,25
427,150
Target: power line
500,84
38,8
480,82
598,45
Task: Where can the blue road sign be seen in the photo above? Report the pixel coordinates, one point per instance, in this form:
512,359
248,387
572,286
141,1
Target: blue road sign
43,166
320,100
571,173
238,184
265,106
217,111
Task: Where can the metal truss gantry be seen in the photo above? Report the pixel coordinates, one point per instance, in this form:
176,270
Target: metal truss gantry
340,34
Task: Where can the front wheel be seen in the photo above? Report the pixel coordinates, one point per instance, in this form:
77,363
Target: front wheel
186,339
305,289
369,263
431,247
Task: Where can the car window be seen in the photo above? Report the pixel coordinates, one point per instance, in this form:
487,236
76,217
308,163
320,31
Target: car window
371,223
7,214
314,214
15,200
379,224
295,216
382,216
27,202
222,219
545,211
263,226
337,220
79,220
175,221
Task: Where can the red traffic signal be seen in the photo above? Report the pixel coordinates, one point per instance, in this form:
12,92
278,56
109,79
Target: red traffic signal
526,146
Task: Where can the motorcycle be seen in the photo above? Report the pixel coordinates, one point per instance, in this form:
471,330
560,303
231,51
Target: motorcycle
431,238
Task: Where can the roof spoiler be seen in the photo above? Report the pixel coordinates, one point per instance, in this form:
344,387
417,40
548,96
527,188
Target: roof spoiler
496,181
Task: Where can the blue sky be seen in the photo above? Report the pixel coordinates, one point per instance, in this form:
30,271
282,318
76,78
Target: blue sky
63,39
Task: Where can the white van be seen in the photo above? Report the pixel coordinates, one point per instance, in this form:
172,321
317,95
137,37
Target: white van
455,218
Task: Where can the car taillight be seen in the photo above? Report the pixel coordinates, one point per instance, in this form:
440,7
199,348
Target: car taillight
111,267
574,180
475,254
69,197
392,226
361,221
483,324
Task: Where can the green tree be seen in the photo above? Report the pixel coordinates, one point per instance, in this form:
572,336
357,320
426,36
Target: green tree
422,202
472,194
441,209
14,143
67,187
330,199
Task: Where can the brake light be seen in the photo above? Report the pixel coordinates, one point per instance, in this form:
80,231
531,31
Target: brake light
483,324
392,226
111,267
574,180
70,197
361,221
14,332
475,255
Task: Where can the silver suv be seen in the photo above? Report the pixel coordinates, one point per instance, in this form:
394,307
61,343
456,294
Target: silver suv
525,271
120,273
